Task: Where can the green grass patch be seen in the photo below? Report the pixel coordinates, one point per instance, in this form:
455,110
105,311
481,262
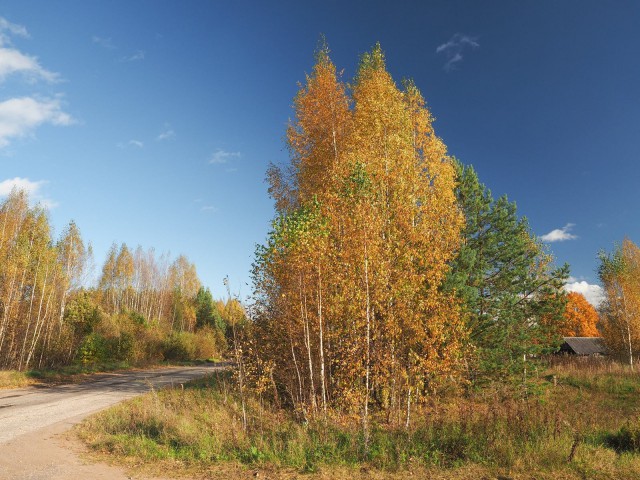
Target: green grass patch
202,426
74,373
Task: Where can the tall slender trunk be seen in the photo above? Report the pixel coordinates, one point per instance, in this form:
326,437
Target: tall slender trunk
39,320
67,278
49,329
365,415
33,294
307,340
295,363
6,308
408,418
11,352
321,341
628,327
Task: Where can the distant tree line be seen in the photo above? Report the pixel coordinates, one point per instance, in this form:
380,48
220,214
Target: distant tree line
144,308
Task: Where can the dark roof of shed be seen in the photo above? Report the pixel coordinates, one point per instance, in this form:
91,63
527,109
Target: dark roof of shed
586,345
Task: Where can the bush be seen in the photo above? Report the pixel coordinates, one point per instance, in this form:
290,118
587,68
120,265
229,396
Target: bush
627,439
178,347
185,346
93,349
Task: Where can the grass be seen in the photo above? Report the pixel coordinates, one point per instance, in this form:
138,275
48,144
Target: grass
68,374
14,379
78,373
591,411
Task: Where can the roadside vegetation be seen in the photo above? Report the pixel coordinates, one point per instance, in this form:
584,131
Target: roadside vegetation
583,423
144,308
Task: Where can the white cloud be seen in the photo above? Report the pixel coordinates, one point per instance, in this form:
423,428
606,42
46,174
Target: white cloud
7,27
25,184
136,143
220,156
31,187
166,135
138,55
20,116
454,47
13,61
103,42
559,234
209,208
592,292
452,61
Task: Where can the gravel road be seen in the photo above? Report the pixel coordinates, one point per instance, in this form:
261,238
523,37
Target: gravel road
29,416
29,409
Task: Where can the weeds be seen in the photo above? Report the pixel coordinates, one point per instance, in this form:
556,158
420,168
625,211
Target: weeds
570,428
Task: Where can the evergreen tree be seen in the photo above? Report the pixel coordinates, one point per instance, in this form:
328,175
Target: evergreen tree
512,294
206,312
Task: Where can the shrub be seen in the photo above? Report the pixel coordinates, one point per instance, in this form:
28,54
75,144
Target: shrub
93,349
626,439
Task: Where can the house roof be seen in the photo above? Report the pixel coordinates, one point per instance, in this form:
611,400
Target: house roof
584,345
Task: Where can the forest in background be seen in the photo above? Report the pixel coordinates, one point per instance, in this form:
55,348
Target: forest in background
144,308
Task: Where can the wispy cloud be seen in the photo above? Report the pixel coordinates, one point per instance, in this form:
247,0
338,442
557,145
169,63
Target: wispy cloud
592,292
454,48
103,42
7,29
13,61
136,143
221,156
19,117
559,234
208,208
166,134
137,56
31,187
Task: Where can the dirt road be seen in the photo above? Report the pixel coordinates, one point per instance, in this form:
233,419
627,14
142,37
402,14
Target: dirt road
33,419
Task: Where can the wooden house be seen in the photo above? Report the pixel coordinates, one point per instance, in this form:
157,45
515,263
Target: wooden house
584,346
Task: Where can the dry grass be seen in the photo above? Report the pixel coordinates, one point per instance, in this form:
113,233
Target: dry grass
14,379
200,430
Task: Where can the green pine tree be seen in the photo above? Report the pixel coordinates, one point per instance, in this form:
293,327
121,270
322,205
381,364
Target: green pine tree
206,312
510,290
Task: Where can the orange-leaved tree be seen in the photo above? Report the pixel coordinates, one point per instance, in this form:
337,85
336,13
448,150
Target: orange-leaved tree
620,276
349,309
580,316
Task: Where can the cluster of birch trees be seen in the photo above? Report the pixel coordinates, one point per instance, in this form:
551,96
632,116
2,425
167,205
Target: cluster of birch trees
349,309
50,316
356,303
620,311
154,288
36,279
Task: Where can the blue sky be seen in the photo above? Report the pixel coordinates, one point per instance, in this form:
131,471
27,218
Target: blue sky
153,123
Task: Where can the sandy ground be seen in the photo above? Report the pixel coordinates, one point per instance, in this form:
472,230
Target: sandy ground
34,423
